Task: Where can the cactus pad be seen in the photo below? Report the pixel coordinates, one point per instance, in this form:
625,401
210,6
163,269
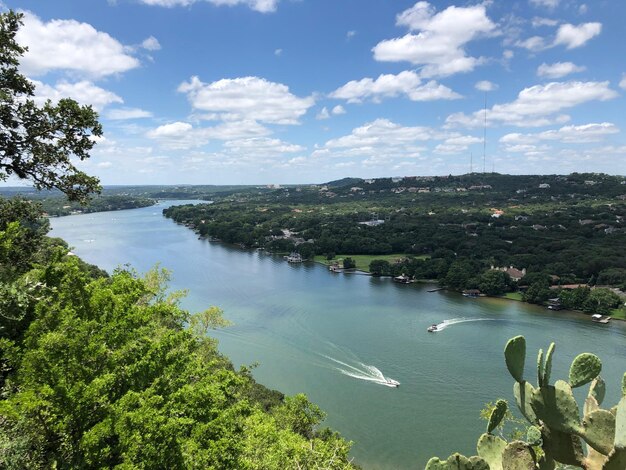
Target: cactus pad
490,448
523,393
557,408
616,461
533,436
540,368
597,389
457,462
548,368
518,456
497,414
620,425
515,355
599,430
584,369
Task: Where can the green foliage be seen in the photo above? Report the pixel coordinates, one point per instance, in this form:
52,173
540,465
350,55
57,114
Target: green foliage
349,263
494,282
556,432
39,143
380,267
108,375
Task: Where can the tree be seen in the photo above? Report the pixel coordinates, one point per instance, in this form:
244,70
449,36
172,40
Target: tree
494,282
380,267
37,143
601,301
349,263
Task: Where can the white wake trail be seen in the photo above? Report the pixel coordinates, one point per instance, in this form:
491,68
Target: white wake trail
364,372
453,321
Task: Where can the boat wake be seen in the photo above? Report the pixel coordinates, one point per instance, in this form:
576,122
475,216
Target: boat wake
363,371
453,321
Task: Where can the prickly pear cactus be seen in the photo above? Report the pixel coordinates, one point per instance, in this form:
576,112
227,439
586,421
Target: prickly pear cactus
557,433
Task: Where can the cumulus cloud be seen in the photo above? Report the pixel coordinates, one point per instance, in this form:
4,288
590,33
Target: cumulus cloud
457,144
559,69
182,135
263,6
323,114
151,44
69,45
246,98
622,84
593,132
538,105
380,142
127,113
575,36
567,35
485,85
85,92
406,83
546,3
437,40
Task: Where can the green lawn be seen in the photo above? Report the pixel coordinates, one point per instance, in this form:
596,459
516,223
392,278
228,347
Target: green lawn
619,313
513,296
363,261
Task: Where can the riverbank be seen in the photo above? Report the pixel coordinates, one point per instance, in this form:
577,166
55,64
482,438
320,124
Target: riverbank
363,261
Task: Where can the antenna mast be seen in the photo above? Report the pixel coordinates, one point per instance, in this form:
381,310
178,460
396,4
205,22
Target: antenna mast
485,136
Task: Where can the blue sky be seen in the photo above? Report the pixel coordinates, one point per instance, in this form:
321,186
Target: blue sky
297,91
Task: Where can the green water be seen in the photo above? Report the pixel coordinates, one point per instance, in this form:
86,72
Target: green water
301,322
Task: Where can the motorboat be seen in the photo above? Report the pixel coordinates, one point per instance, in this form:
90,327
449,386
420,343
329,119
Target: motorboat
391,382
432,329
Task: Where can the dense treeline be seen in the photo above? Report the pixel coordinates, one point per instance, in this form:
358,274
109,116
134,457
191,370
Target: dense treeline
100,371
572,228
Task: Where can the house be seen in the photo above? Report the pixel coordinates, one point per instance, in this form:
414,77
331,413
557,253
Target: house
514,273
294,258
544,186
402,279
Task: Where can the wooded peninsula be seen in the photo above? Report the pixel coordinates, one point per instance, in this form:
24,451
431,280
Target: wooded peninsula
548,236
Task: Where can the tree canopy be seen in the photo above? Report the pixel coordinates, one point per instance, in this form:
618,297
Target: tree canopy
39,143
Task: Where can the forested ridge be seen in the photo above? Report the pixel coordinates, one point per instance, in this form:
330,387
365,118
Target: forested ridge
562,229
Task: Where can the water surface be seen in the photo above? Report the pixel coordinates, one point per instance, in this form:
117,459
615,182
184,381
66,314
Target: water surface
331,335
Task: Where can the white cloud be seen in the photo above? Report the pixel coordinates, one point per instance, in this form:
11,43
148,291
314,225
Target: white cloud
559,69
439,45
85,92
485,85
538,105
127,113
263,6
546,3
323,114
262,146
567,35
104,165
593,132
278,52
538,22
457,144
70,46
151,44
247,98
379,142
622,84
182,135
388,86
337,110
534,43
575,36
350,34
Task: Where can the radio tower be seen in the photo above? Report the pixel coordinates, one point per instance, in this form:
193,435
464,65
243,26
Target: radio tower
485,136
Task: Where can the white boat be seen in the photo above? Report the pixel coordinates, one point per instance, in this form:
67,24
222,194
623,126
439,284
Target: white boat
391,383
432,329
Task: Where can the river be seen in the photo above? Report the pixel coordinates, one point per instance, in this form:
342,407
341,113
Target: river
328,335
